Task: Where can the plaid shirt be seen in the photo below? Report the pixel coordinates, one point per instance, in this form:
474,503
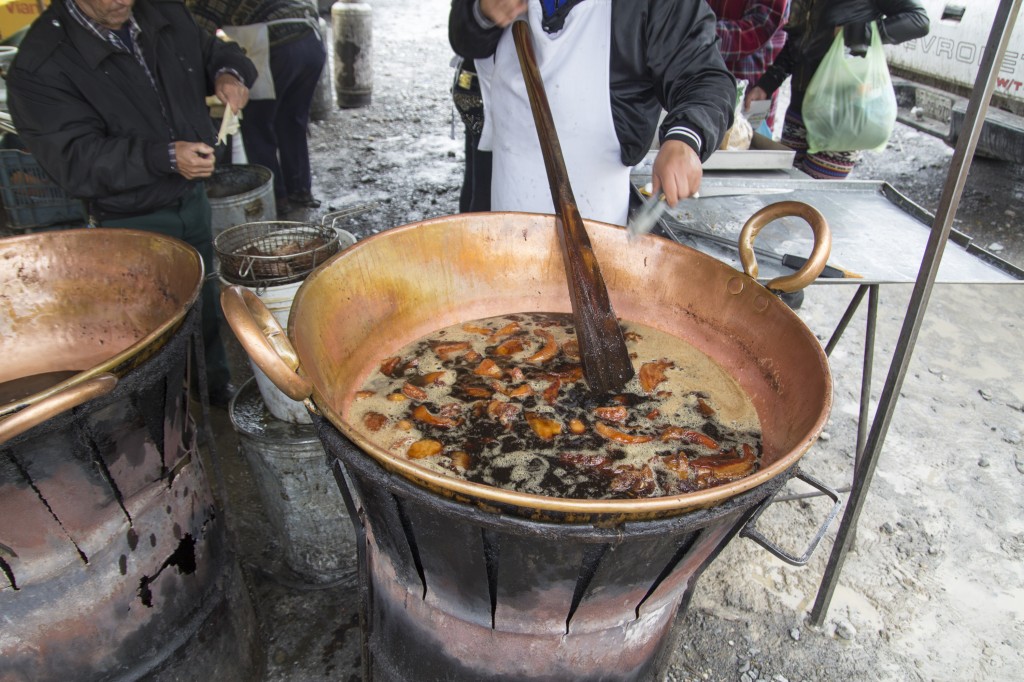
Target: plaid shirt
750,33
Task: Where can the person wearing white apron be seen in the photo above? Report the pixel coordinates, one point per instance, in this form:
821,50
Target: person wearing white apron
282,37
606,66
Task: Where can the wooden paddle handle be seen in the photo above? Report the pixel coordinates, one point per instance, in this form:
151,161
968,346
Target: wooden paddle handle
603,353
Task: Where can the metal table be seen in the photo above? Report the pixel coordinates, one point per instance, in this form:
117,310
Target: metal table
878,234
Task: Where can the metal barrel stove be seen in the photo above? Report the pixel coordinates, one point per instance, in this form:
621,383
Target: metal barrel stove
452,592
113,558
463,581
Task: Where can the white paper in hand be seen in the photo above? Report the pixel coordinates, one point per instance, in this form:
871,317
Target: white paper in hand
228,124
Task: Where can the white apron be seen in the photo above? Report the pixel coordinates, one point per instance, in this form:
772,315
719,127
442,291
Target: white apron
255,40
574,67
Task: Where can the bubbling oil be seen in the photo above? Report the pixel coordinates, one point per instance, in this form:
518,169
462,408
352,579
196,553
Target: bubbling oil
502,401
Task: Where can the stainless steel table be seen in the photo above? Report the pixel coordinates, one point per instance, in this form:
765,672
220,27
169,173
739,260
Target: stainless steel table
878,234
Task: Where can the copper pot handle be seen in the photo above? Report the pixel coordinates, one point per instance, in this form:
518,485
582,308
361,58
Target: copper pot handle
55,404
264,340
819,253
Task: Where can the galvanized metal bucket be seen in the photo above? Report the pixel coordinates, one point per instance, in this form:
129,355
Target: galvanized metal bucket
240,193
303,504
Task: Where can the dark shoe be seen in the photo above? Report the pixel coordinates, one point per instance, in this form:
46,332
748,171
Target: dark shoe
304,199
221,395
794,300
283,208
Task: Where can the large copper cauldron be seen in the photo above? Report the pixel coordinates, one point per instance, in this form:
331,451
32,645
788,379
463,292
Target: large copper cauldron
113,557
467,582
77,304
386,291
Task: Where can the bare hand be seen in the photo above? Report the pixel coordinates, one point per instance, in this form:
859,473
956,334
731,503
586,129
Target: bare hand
231,91
502,12
754,94
677,172
195,159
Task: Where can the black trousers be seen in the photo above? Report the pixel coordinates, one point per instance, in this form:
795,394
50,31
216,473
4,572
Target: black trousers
190,221
476,179
274,130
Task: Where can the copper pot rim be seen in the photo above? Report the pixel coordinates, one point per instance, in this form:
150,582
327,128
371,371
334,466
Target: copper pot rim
122,362
579,509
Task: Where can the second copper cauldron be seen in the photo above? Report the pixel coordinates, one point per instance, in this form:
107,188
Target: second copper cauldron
78,304
397,286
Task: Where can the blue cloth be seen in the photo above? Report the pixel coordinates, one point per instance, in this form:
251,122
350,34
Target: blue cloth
550,6
555,12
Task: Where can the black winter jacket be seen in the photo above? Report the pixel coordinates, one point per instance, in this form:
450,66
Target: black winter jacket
664,54
90,116
811,31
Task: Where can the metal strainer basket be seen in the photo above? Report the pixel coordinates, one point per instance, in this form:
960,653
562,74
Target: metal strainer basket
273,252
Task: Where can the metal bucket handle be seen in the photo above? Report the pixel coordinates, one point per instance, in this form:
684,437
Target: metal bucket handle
819,252
752,533
264,340
58,403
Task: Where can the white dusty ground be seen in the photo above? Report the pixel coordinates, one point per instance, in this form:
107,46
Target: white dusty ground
934,589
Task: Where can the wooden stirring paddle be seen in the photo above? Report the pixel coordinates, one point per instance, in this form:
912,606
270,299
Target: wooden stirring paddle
606,363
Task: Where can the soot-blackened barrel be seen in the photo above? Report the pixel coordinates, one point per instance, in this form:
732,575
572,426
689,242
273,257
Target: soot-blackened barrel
455,592
112,551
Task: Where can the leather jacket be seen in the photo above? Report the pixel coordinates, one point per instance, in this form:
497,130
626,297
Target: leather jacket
664,54
94,121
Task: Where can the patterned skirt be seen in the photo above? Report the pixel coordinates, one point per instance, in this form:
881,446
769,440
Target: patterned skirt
820,165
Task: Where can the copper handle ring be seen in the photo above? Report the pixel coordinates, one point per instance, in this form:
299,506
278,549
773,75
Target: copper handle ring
819,253
264,340
55,404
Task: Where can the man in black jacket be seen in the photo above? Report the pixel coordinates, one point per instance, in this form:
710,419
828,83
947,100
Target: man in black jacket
109,96
609,68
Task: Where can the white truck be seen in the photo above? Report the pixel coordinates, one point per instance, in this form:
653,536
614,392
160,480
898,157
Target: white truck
933,77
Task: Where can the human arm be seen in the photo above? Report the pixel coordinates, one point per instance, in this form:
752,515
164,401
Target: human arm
223,60
778,72
475,26
694,87
904,20
748,34
901,20
677,171
74,144
231,91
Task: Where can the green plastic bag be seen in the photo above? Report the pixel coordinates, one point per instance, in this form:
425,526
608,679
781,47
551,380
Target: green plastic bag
850,104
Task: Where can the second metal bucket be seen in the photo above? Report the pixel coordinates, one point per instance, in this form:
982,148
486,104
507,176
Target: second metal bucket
240,193
305,507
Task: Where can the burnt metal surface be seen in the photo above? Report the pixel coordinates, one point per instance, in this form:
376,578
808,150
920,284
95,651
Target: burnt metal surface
113,550
453,592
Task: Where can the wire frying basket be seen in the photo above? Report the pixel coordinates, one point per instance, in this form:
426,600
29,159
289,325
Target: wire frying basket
272,253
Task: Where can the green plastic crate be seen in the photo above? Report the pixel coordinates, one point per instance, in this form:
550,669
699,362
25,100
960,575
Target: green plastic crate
30,198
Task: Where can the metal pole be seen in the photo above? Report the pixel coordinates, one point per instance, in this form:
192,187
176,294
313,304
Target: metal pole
974,119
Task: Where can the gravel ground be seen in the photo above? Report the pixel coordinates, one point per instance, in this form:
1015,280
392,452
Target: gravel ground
933,588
